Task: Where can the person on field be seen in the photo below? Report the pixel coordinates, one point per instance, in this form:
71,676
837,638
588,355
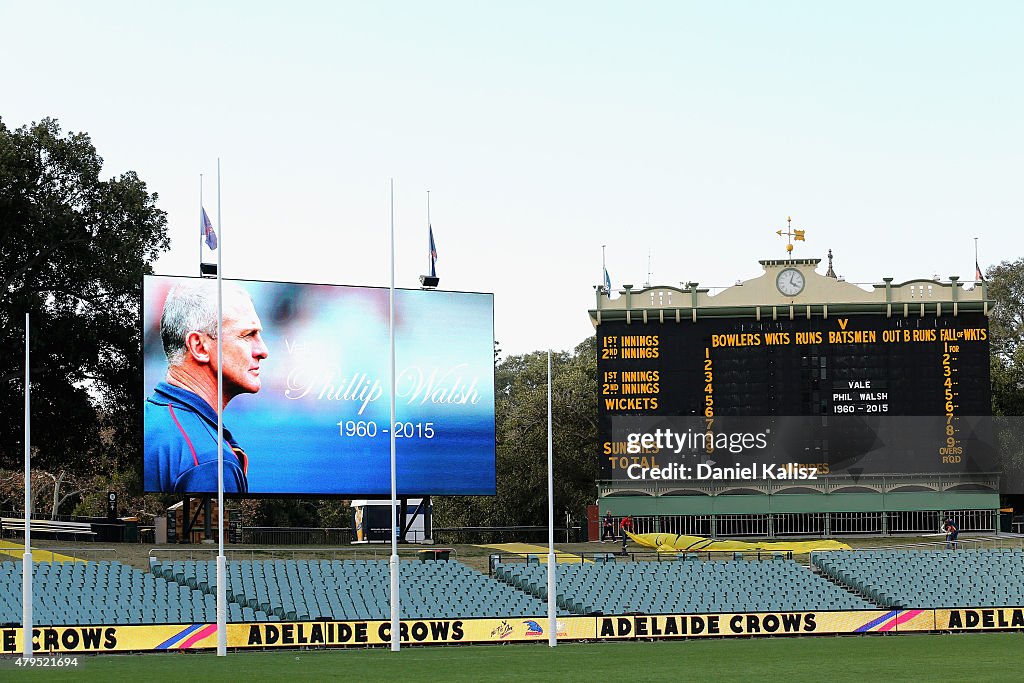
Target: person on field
608,528
952,531
626,526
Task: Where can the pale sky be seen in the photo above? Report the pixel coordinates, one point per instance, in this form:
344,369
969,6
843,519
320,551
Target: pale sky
680,134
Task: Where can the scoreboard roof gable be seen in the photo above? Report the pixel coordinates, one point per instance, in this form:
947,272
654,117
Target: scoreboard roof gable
760,294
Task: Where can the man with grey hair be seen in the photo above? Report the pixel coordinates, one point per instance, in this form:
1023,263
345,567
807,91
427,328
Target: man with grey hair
180,417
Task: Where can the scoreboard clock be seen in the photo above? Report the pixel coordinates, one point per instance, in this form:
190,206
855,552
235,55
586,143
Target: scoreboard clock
790,282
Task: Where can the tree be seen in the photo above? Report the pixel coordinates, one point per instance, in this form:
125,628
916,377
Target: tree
73,250
1006,287
521,434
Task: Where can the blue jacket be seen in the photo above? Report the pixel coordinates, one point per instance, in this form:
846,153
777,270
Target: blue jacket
181,445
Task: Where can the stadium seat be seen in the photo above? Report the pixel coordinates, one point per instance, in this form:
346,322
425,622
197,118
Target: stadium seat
921,579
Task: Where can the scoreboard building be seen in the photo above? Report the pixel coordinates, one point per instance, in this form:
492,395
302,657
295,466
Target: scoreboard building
796,403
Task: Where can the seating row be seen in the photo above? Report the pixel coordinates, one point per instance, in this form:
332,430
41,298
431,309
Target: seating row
926,580
693,586
86,593
345,590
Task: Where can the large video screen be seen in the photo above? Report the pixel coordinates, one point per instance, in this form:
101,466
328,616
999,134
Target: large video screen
864,394
307,391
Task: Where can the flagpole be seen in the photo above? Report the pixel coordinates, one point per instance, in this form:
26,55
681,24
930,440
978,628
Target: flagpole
396,637
202,225
604,271
430,258
977,268
552,565
26,561
222,607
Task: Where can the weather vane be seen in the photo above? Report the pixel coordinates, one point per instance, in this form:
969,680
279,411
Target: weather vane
791,234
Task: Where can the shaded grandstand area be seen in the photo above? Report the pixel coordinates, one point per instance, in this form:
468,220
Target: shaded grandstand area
922,579
686,586
300,590
289,590
66,593
76,593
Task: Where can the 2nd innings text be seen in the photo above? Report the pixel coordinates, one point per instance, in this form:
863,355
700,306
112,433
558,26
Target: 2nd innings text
369,429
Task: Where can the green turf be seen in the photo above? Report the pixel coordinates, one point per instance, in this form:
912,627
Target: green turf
960,657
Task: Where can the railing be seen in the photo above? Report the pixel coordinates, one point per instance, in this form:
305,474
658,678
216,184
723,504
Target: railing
882,483
99,528
47,526
36,514
504,534
808,524
643,556
373,552
265,535
963,543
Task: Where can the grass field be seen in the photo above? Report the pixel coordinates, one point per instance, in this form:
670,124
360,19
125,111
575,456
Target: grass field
960,658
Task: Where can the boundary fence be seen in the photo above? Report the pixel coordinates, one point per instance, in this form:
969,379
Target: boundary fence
376,633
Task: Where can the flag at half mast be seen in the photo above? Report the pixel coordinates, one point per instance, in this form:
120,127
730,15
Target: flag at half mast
206,229
433,251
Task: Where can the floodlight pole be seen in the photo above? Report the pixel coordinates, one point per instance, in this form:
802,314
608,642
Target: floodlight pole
396,636
552,565
222,606
26,562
